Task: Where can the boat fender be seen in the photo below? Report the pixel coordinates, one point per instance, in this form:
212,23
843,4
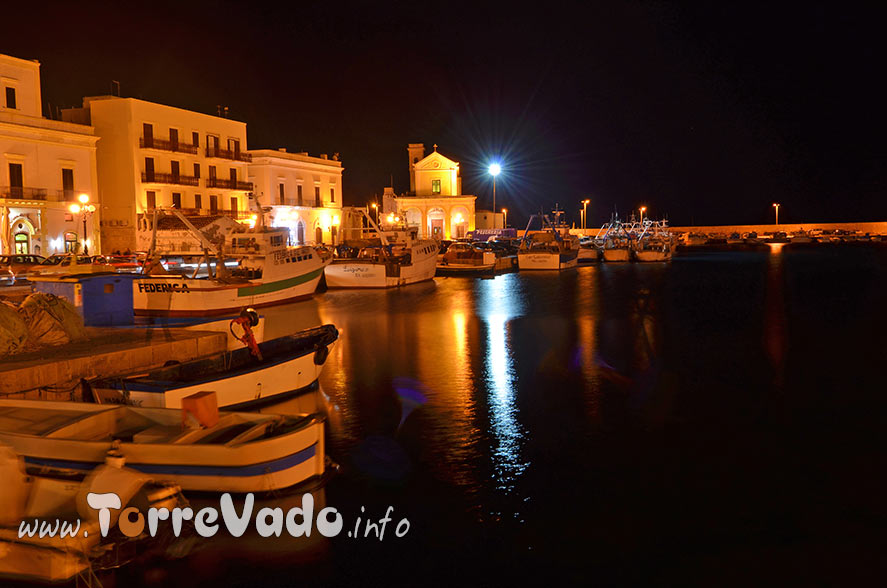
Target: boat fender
321,352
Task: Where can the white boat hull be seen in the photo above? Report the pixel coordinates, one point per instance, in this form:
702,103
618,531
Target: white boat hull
587,255
652,255
546,261
367,274
254,465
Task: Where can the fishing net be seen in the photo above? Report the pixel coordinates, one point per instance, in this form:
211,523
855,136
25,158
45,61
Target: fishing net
13,330
51,320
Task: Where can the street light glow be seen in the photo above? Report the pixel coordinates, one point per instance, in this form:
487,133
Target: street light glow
495,168
84,198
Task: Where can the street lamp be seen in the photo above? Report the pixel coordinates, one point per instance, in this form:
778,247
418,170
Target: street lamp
776,206
585,213
376,208
643,209
84,209
495,169
504,218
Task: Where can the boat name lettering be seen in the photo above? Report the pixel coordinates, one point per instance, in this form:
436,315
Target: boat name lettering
355,269
164,288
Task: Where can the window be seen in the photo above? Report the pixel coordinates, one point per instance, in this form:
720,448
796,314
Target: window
176,200
149,169
16,180
299,196
232,173
174,170
21,243
212,145
197,170
195,139
212,172
213,203
281,193
148,134
152,200
68,183
198,201
316,195
10,97
435,186
70,242
332,194
234,203
174,139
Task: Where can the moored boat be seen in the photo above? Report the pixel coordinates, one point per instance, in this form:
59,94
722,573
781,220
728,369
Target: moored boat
463,258
382,259
268,273
552,248
288,366
654,243
242,452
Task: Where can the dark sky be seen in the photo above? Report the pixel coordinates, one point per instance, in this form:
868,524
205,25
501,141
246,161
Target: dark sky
707,113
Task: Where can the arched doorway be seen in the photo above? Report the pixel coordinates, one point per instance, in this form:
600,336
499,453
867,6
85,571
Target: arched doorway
300,233
436,218
458,222
318,235
22,243
71,245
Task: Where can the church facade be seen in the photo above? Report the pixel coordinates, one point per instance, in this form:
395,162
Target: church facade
435,203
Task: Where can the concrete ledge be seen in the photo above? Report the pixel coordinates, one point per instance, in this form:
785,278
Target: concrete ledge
107,352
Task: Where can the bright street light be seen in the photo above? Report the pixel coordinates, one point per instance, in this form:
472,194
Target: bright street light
776,206
505,218
495,170
643,209
585,213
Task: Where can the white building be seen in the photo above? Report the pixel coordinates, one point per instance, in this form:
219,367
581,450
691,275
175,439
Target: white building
153,156
304,193
435,203
45,165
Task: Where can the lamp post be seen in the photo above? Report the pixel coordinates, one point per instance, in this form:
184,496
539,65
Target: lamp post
505,218
84,209
776,207
643,209
585,213
495,168
376,209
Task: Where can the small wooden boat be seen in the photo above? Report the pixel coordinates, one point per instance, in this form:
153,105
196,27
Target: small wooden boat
289,366
463,258
242,452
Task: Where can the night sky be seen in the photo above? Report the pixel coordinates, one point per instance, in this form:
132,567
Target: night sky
707,114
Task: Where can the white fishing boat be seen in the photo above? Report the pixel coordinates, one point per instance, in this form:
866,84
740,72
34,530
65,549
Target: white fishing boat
268,272
288,366
242,452
589,250
382,258
616,238
552,248
653,243
475,257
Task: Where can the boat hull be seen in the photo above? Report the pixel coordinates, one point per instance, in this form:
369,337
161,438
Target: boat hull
617,254
650,255
366,274
588,255
546,261
258,465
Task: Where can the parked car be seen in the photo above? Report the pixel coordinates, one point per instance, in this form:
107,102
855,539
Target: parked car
21,264
7,278
62,263
129,264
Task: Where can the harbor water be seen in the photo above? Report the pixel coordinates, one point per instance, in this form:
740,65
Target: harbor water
717,418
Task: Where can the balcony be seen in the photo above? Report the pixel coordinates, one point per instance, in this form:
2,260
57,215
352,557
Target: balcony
24,193
235,214
226,154
158,178
229,184
177,147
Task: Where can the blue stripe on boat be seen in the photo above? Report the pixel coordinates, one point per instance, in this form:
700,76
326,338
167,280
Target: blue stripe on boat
268,467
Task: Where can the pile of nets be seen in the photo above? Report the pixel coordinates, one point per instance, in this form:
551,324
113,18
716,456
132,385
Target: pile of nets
41,320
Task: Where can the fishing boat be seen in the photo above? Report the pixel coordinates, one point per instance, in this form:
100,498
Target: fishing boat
463,258
382,258
285,366
552,248
653,243
616,238
268,272
241,452
589,250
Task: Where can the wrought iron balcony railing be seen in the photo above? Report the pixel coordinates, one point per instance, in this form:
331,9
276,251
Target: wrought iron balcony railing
228,154
228,184
23,192
159,178
164,145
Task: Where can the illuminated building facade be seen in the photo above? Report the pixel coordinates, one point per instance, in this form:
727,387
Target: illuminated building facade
435,203
152,156
45,165
303,192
